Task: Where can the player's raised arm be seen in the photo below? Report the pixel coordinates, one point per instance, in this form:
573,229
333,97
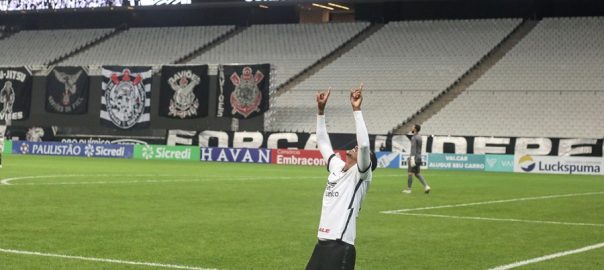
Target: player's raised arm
322,137
363,158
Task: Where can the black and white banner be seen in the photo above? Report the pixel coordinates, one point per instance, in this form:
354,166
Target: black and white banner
67,90
243,90
15,93
393,143
126,97
184,92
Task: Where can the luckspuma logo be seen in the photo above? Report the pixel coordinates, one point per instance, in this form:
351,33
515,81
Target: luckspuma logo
526,163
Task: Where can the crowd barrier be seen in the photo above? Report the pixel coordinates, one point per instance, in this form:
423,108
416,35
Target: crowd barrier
431,161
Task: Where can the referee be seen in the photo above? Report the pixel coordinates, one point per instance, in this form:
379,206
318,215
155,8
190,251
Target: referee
347,184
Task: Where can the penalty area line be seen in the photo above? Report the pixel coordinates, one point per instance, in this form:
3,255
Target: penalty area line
103,260
548,257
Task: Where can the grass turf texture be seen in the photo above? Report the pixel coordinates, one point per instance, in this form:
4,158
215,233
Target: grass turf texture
247,216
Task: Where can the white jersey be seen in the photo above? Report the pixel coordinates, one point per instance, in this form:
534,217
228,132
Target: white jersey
342,200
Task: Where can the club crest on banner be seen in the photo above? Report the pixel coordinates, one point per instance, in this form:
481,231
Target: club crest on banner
184,103
67,90
247,97
126,98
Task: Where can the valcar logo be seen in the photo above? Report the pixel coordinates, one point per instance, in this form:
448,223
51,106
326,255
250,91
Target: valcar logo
526,163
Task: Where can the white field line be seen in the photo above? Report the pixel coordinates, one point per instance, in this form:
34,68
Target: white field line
103,260
492,202
548,257
505,219
8,181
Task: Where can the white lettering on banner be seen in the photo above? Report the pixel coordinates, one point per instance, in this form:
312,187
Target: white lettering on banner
485,145
206,154
174,138
205,136
222,156
50,149
460,143
264,156
245,139
273,140
234,153
292,160
107,152
247,157
380,140
311,143
583,146
456,158
164,153
524,146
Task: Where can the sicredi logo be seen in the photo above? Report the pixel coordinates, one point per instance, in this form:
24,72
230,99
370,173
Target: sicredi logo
526,163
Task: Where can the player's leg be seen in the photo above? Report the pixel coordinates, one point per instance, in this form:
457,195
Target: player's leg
409,177
421,177
314,263
338,255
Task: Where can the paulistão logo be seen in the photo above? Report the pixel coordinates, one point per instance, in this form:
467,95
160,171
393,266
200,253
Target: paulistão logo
526,163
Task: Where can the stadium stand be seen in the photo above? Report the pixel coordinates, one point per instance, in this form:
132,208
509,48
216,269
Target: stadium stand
38,47
289,47
404,65
149,46
550,85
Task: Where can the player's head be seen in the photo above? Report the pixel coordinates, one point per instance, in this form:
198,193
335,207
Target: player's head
352,154
416,128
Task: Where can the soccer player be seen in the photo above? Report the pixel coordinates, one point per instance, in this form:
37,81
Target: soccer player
415,160
347,184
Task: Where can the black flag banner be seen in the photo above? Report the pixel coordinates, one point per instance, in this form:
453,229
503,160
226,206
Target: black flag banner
184,92
126,97
15,93
67,90
244,90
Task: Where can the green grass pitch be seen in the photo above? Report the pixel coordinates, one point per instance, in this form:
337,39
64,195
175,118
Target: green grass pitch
252,216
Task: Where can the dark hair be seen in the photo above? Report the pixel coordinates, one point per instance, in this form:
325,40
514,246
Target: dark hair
418,127
373,161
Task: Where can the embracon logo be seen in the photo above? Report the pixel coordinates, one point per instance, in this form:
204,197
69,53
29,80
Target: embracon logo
526,163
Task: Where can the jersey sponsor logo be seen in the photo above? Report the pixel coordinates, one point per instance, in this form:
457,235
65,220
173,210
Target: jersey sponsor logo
324,230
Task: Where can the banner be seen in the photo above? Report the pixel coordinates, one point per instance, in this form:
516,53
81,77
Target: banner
15,93
72,149
301,157
8,147
456,162
388,159
499,163
244,155
184,92
163,152
558,165
405,157
243,90
126,97
391,143
67,90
